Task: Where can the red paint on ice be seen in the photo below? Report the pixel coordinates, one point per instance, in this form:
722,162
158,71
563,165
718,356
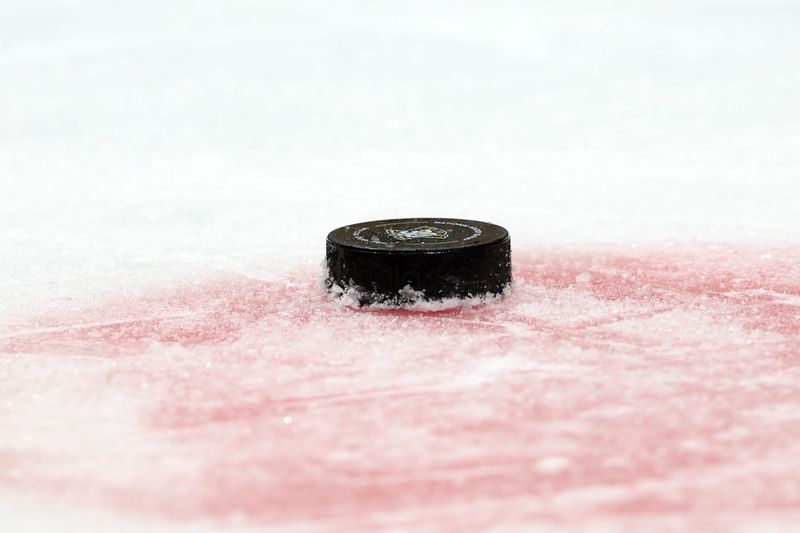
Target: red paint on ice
613,385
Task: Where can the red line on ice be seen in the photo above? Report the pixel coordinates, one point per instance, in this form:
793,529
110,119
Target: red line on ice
612,385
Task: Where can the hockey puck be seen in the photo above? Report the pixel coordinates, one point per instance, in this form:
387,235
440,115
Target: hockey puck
404,260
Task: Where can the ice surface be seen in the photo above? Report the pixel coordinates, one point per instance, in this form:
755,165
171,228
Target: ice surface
661,391
169,171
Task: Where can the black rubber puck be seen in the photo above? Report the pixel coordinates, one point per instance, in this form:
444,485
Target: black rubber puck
404,260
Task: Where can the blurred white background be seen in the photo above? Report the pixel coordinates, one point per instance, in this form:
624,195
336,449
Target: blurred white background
157,133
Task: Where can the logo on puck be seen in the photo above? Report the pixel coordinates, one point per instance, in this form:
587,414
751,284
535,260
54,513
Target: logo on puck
422,232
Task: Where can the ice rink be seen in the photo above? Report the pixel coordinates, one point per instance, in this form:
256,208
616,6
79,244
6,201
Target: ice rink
168,174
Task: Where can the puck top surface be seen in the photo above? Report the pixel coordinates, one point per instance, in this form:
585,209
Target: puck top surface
417,235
